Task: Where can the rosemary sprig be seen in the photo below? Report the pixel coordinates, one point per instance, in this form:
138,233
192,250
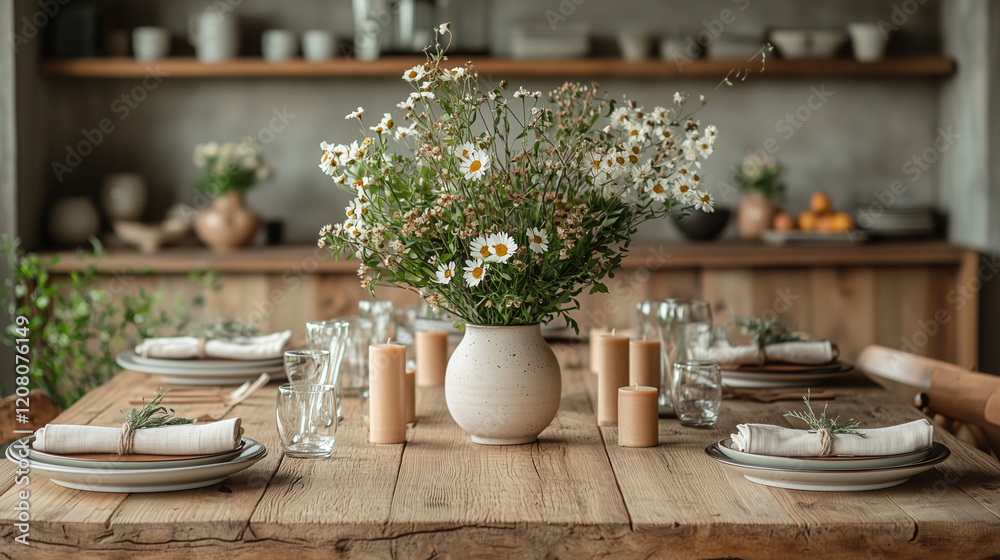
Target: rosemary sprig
821,423
154,415
765,331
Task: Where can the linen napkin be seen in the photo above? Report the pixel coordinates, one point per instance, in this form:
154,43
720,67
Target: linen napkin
184,347
184,439
778,441
809,352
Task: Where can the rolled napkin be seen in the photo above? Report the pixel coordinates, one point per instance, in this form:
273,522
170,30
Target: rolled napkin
765,439
185,439
807,352
184,347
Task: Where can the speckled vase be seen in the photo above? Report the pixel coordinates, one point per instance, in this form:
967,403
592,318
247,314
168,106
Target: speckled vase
502,384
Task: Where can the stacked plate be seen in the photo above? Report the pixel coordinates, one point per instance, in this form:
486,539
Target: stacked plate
783,375
830,474
201,372
100,472
898,221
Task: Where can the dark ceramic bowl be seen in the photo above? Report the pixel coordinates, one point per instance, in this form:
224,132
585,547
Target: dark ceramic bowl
702,226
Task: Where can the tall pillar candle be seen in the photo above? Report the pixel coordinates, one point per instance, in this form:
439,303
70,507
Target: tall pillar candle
409,397
644,363
612,373
595,348
387,372
638,416
432,357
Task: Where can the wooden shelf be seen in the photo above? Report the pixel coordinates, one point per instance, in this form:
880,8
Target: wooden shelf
393,66
670,255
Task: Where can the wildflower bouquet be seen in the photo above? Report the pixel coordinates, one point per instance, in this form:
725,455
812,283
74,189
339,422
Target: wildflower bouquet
501,207
760,174
228,167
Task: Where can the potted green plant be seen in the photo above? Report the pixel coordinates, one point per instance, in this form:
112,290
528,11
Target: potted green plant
759,177
227,171
501,207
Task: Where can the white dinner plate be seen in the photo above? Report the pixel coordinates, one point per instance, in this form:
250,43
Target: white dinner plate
206,364
768,380
104,479
831,480
175,376
838,463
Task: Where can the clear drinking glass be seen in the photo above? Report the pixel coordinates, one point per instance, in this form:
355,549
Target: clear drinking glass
354,366
685,325
331,336
307,366
696,390
307,419
380,314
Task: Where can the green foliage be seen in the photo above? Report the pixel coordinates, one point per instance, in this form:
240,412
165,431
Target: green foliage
75,326
765,331
154,415
822,422
761,175
229,167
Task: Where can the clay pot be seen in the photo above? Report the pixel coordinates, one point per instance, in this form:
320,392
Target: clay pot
227,223
755,215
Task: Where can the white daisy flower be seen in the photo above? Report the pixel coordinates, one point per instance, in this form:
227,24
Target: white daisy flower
445,273
641,173
619,117
422,95
443,28
633,150
593,162
502,247
415,74
406,104
404,131
354,114
662,134
328,163
657,189
383,125
711,132
678,98
703,201
660,115
453,74
339,179
536,94
638,132
521,93
704,147
537,240
475,271
480,248
683,191
475,166
464,149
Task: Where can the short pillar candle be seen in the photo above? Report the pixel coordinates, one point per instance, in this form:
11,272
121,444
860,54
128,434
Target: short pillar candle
432,357
387,371
612,373
638,417
644,363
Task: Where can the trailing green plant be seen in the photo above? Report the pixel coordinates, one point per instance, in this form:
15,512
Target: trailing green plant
764,332
75,326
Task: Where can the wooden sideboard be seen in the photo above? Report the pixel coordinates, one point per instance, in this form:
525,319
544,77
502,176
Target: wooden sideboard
922,297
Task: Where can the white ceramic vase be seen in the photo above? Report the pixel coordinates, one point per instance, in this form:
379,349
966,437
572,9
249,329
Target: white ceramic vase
503,384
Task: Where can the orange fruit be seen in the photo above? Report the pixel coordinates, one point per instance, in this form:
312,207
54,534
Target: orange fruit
784,221
807,221
841,221
820,203
823,223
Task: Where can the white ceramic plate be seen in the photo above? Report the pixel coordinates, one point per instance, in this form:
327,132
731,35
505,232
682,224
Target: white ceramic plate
105,479
161,462
205,365
174,376
766,380
840,463
774,237
832,480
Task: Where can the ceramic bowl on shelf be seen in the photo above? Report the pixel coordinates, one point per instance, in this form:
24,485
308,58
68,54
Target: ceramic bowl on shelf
703,226
808,43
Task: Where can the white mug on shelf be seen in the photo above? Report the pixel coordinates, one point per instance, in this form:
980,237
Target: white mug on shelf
150,43
317,45
868,41
215,35
278,45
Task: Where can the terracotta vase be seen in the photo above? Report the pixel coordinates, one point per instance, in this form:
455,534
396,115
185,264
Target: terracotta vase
755,215
227,223
503,384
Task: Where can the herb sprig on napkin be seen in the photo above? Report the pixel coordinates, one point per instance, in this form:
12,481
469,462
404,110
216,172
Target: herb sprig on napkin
823,423
765,332
154,415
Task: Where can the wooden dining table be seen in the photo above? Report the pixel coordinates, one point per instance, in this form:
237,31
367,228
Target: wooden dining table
575,493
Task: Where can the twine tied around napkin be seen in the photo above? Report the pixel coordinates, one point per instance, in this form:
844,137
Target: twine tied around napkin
825,442
152,415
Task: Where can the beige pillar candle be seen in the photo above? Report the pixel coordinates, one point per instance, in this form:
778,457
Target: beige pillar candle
612,373
432,357
595,348
409,397
644,363
638,417
387,367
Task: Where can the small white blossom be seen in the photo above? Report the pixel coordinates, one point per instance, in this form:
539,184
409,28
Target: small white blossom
445,272
538,241
502,247
415,74
354,114
475,271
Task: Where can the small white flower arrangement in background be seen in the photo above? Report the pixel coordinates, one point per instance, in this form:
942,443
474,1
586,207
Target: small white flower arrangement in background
231,166
502,206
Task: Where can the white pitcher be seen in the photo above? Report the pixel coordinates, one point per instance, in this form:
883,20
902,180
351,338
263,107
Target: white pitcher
215,35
